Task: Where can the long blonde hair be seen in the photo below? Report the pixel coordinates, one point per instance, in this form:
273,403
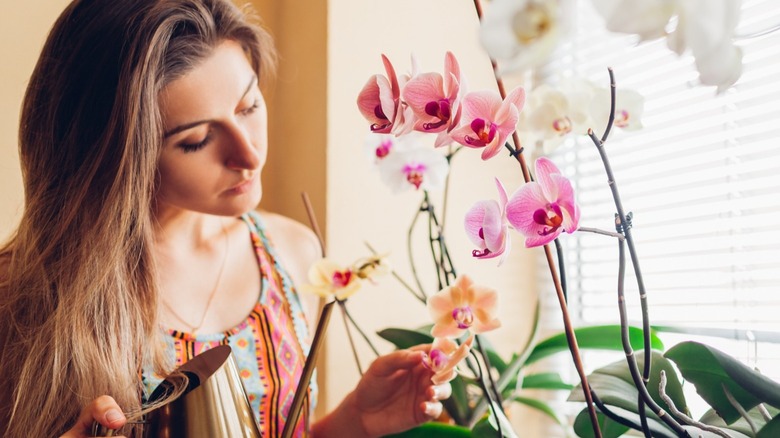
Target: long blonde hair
78,297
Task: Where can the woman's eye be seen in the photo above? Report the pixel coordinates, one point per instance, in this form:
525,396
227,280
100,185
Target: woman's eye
251,109
194,147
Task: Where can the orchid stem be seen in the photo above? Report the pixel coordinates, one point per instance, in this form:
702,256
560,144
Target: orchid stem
631,359
561,269
491,402
681,417
361,332
400,280
490,379
410,253
625,226
349,336
571,338
611,415
602,232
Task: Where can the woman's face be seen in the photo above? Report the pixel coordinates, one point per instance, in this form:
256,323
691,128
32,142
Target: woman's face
215,137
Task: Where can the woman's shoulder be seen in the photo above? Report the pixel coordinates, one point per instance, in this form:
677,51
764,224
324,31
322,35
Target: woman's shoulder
295,243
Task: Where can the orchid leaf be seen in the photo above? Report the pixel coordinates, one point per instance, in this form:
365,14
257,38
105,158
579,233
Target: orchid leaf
710,370
701,433
771,429
545,381
541,406
712,418
615,387
405,338
434,430
609,429
604,337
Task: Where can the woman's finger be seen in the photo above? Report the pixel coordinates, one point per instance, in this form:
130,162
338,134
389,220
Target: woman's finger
441,392
104,410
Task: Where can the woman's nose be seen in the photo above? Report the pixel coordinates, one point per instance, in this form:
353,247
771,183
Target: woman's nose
242,153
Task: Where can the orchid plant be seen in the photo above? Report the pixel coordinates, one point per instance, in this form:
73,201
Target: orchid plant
402,109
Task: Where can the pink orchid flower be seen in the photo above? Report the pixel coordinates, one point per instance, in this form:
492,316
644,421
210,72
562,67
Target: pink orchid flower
444,357
379,101
542,209
488,121
487,227
433,100
463,307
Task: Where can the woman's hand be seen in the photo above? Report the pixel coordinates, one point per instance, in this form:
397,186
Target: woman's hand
395,394
104,410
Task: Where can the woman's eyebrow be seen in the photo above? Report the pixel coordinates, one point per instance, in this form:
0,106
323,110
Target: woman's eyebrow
187,126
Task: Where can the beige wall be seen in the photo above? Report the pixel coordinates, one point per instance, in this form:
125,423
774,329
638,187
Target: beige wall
23,29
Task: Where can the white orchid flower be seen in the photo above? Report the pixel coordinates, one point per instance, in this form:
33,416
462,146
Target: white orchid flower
646,18
419,168
629,106
706,27
521,34
550,114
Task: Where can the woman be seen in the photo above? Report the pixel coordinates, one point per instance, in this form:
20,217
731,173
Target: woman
142,138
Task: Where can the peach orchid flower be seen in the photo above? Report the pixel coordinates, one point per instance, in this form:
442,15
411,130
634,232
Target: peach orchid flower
433,99
544,208
488,120
487,227
461,307
444,357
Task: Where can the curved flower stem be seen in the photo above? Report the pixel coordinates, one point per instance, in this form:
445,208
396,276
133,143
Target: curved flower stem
625,226
633,368
561,269
410,253
486,359
491,402
349,336
437,258
357,327
398,277
450,156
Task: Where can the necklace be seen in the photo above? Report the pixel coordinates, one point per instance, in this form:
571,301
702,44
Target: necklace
195,328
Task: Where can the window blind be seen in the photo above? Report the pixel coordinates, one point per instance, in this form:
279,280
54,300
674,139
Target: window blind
702,179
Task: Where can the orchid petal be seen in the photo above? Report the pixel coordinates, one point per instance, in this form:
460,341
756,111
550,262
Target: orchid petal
521,207
544,169
391,77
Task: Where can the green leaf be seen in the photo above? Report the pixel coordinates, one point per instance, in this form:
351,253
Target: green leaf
609,429
540,406
545,381
712,418
614,385
405,338
771,429
434,430
605,337
710,370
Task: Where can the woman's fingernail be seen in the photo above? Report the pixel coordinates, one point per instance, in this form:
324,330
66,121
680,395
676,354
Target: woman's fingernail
436,392
113,416
430,409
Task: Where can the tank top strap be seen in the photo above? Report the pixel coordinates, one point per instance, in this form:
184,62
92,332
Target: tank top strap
277,276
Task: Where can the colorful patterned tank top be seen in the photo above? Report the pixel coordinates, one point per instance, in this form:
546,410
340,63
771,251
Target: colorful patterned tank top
270,345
